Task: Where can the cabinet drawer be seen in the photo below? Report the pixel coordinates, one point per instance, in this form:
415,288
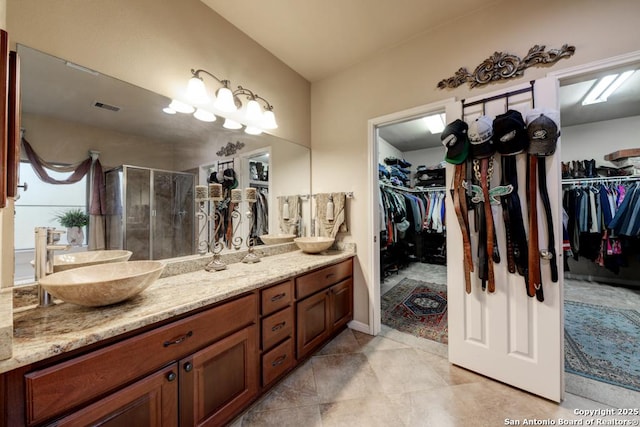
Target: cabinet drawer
277,361
276,297
277,327
315,281
52,391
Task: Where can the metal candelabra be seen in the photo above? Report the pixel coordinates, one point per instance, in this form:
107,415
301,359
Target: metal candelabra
251,256
208,213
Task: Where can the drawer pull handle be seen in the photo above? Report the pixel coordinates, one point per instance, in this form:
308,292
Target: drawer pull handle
279,360
171,376
278,326
178,340
278,297
330,275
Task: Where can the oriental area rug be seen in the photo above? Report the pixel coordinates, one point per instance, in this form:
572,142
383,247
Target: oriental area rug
418,308
602,343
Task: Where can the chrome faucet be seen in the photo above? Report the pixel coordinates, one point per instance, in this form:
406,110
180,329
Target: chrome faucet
46,238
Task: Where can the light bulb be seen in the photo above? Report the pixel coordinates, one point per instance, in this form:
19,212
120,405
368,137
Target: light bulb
224,100
204,115
269,120
169,110
196,91
181,107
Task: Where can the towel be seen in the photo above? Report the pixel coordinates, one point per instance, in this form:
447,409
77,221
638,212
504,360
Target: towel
290,226
327,227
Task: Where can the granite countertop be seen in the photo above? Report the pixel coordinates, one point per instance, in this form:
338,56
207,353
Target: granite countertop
40,333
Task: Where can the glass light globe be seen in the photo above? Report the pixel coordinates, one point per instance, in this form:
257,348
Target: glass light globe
204,115
231,124
181,107
269,120
254,112
224,100
196,91
253,130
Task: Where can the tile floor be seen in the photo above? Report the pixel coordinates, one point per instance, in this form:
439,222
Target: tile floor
395,379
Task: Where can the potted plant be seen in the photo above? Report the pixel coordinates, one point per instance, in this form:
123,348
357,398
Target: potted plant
74,220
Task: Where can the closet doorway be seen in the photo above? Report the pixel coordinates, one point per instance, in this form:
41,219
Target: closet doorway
411,260
602,262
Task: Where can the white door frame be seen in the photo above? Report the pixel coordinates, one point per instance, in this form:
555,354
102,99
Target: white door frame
374,255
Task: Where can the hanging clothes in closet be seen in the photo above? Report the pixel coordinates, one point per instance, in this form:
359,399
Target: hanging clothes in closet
261,213
602,221
407,219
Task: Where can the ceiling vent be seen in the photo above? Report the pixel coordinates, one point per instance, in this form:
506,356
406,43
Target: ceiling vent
106,106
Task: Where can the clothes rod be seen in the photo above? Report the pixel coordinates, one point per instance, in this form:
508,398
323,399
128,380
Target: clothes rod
348,194
605,179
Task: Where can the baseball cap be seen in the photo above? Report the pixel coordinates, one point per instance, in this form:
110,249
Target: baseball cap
543,131
454,138
510,133
480,137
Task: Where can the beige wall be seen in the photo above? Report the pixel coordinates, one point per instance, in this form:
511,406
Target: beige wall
406,76
153,44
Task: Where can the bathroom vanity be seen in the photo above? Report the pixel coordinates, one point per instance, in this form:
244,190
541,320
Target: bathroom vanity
195,348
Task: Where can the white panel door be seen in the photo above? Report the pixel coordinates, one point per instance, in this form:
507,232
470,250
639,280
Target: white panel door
507,335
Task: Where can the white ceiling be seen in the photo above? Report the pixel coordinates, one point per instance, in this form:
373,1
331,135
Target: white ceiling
318,38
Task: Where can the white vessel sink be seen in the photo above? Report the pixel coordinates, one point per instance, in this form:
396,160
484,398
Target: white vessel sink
274,239
314,244
103,284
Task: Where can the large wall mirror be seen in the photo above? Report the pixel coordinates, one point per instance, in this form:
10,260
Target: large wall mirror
69,111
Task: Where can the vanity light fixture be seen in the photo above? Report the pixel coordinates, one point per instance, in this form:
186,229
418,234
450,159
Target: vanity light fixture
603,89
252,114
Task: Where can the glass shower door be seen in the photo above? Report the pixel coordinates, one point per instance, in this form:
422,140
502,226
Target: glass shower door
137,211
173,215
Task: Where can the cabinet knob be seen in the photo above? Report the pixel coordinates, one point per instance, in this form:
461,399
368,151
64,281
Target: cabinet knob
171,376
188,366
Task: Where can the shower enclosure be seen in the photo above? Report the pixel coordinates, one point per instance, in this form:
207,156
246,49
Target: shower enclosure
150,212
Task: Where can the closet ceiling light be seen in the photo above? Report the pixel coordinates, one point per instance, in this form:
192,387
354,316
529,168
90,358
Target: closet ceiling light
254,116
605,87
435,123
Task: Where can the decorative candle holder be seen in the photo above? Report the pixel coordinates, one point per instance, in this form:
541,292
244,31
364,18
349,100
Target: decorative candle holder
251,256
207,200
236,217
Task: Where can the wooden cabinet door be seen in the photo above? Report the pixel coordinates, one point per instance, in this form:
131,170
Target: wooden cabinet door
341,303
218,381
313,322
152,401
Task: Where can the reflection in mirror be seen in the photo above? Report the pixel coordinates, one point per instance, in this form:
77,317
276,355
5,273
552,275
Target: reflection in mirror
69,110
